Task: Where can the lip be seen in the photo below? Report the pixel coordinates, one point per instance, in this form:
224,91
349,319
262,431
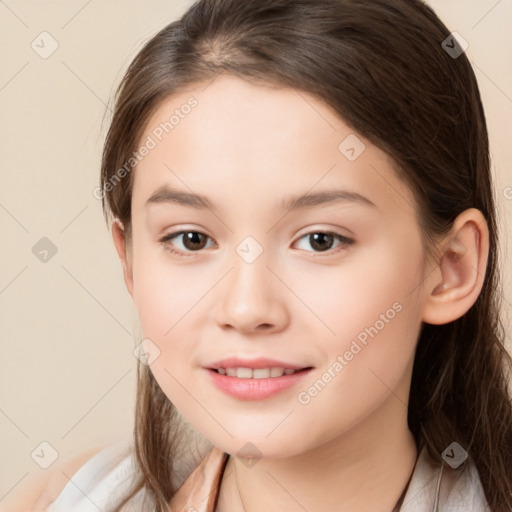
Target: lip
255,389
262,362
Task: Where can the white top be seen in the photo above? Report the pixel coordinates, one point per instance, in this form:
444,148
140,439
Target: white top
101,482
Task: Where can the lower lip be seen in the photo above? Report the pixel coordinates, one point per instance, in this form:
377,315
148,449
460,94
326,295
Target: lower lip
256,389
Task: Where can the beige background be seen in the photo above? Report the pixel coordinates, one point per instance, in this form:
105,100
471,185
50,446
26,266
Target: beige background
67,371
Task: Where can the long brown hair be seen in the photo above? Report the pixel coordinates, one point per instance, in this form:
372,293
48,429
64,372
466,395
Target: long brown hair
385,68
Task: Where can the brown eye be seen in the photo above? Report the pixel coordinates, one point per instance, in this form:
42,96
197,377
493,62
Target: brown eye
322,241
192,241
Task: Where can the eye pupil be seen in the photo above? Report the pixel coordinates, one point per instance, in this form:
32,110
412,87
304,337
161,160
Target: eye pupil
192,237
318,239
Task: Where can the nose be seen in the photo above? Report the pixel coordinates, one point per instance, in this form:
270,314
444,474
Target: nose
252,299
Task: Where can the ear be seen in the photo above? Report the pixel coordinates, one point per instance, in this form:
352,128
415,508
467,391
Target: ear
123,248
458,276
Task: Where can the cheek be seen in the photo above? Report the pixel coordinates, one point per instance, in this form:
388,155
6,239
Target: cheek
392,322
373,314
165,292
171,300
165,297
375,326
374,281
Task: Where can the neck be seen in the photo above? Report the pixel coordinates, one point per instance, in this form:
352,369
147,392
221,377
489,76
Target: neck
366,468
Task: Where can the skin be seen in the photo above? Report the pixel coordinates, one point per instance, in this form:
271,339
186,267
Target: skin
246,147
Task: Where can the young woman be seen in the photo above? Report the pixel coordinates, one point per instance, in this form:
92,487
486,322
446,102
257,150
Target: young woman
301,200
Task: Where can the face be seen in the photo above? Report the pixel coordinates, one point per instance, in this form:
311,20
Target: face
330,285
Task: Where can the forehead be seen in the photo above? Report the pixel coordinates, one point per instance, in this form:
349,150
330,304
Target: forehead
243,142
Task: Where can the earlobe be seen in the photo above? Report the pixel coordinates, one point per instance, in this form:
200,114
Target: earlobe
454,285
123,251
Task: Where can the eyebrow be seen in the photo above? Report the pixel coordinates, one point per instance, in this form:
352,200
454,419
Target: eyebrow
165,194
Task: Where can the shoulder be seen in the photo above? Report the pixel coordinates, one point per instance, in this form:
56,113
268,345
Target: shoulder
451,489
42,489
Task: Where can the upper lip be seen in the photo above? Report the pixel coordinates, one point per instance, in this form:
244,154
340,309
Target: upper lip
237,362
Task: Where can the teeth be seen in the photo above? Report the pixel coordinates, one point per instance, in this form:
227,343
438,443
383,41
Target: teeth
257,373
244,373
263,373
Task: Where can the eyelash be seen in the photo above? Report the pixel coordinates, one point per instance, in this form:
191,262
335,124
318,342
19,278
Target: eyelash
182,254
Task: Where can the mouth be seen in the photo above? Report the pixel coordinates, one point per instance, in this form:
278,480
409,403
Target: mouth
244,383
241,372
